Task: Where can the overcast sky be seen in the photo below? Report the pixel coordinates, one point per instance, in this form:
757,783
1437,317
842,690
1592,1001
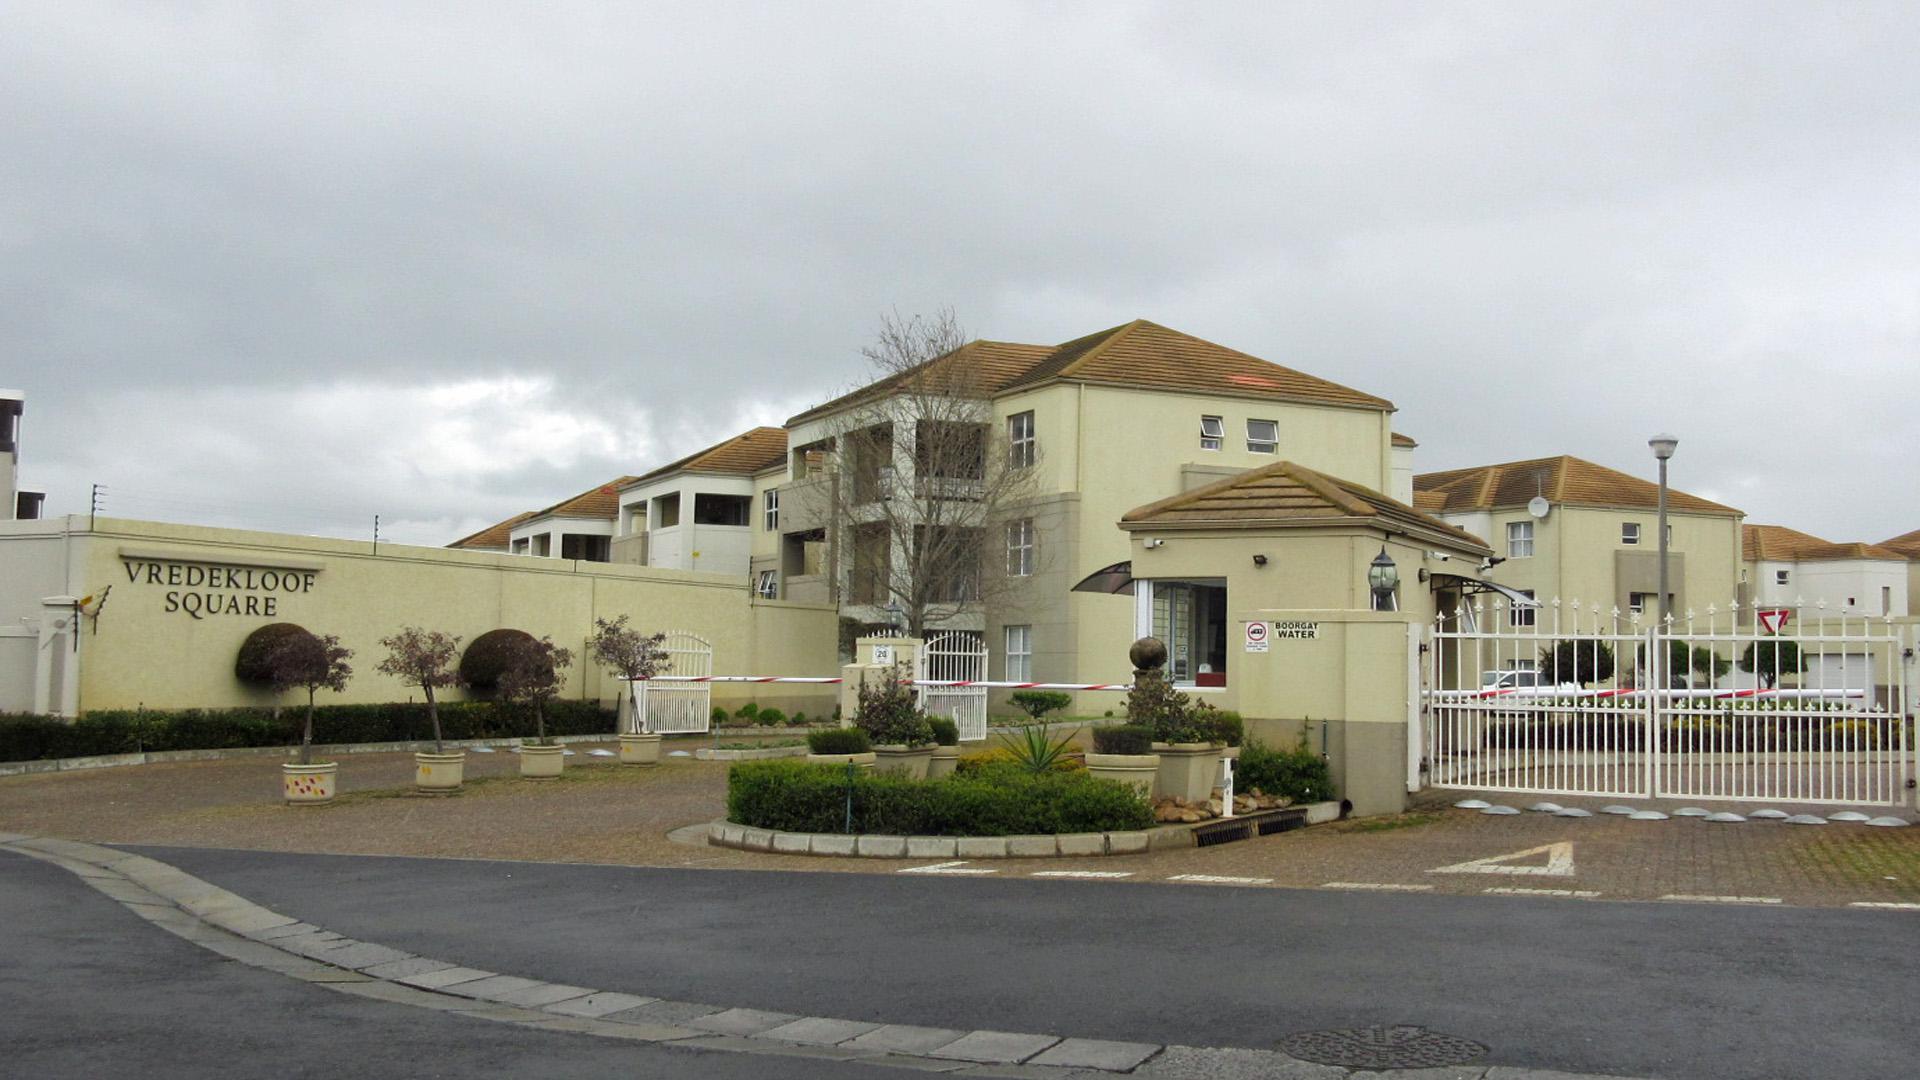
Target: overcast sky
289,266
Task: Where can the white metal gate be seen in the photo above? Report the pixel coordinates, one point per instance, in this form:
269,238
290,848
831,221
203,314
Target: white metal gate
678,708
1557,700
962,655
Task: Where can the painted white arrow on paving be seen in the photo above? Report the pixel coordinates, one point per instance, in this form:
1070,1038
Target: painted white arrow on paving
1559,862
960,867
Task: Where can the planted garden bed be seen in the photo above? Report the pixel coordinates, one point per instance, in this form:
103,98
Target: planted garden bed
995,800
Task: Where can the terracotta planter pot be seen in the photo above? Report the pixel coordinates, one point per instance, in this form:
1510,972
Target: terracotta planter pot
1187,770
909,761
864,761
639,749
945,759
542,762
439,774
1138,770
309,785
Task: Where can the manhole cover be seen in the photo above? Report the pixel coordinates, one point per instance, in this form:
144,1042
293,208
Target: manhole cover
1399,1046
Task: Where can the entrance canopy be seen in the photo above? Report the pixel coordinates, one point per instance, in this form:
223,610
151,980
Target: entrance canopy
1116,579
1468,586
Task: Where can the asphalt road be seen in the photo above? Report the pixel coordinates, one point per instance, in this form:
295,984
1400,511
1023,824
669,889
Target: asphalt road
1678,991
89,991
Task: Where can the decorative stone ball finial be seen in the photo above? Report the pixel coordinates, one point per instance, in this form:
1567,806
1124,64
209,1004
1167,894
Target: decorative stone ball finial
1148,654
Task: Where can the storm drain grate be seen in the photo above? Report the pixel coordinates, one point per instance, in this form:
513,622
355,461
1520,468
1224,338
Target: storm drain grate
1283,823
1224,833
1397,1046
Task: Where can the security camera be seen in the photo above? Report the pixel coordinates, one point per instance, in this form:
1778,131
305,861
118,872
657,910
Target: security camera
1440,555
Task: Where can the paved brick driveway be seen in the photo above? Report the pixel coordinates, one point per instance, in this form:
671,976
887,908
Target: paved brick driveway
604,813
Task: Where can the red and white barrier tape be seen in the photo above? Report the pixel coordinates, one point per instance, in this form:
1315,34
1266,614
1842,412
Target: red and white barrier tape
818,681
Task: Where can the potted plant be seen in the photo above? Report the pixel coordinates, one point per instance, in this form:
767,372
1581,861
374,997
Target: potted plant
425,658
1228,729
316,663
1183,737
633,656
946,747
532,678
839,746
1124,752
902,739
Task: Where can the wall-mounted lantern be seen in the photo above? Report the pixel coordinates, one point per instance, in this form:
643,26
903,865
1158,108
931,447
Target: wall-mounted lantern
1384,579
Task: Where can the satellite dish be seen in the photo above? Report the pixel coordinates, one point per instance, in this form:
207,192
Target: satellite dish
1538,506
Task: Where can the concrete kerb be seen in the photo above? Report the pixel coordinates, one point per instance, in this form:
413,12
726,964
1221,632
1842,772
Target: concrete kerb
1067,845
158,892
161,757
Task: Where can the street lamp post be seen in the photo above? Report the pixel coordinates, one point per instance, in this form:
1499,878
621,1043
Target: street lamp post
1663,447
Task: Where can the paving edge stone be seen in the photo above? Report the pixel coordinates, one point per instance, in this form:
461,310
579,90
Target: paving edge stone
726,834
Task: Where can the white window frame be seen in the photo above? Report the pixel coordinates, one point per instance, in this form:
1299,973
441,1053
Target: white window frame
766,585
1213,432
1519,534
1519,615
770,510
1269,445
1630,532
1022,443
1018,639
1020,548
1637,602
1781,577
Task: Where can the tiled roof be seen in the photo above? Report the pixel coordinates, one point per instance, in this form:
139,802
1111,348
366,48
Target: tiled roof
1139,353
1907,544
493,537
1563,480
1288,495
980,367
1143,353
600,502
745,454
1404,442
1777,543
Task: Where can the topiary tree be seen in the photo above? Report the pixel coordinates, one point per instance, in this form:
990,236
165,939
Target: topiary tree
626,652
254,662
315,663
1038,703
532,677
1771,657
423,658
487,657
1580,662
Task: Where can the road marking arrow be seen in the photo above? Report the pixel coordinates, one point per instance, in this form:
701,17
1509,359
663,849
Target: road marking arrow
1559,862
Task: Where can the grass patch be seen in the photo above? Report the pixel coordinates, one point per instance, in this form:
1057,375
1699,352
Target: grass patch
1415,820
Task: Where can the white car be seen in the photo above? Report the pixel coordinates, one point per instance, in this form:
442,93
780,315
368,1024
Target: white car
1522,679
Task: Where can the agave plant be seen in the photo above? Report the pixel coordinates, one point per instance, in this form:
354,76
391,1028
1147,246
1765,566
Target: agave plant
1033,750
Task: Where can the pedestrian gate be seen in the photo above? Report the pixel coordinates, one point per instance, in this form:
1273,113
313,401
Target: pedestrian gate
1740,705
959,655
678,708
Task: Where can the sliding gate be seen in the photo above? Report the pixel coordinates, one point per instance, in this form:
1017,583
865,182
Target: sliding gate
1742,705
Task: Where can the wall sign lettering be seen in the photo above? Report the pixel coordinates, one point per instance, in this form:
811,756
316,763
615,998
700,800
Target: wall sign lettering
202,589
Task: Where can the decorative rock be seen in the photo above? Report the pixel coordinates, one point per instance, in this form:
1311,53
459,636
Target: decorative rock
1190,817
1573,811
1724,817
1546,808
1472,804
1848,815
1806,819
1888,822
1500,811
1691,811
1168,813
1616,808
1768,815
1646,815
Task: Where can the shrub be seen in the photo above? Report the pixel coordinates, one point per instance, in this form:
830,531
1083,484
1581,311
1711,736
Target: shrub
1173,717
1000,756
1226,726
720,716
799,719
1298,773
1033,750
840,740
749,711
1123,739
1038,703
256,652
1583,662
487,657
890,716
945,731
771,717
798,797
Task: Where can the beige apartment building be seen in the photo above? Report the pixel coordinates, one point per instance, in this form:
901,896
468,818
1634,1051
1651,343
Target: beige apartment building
1908,544
1566,529
1784,567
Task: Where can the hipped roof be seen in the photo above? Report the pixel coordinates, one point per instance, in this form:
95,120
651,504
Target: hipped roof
1288,496
1777,543
1907,544
496,535
1562,480
744,455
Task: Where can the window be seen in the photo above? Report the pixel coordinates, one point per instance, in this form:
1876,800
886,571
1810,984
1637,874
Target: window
1213,432
1020,441
770,504
1637,602
1886,599
1020,548
1779,577
1520,540
1521,615
767,584
1019,654
711,509
1629,532
1263,436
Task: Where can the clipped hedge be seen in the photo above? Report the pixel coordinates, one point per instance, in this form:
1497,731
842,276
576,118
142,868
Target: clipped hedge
31,738
794,796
